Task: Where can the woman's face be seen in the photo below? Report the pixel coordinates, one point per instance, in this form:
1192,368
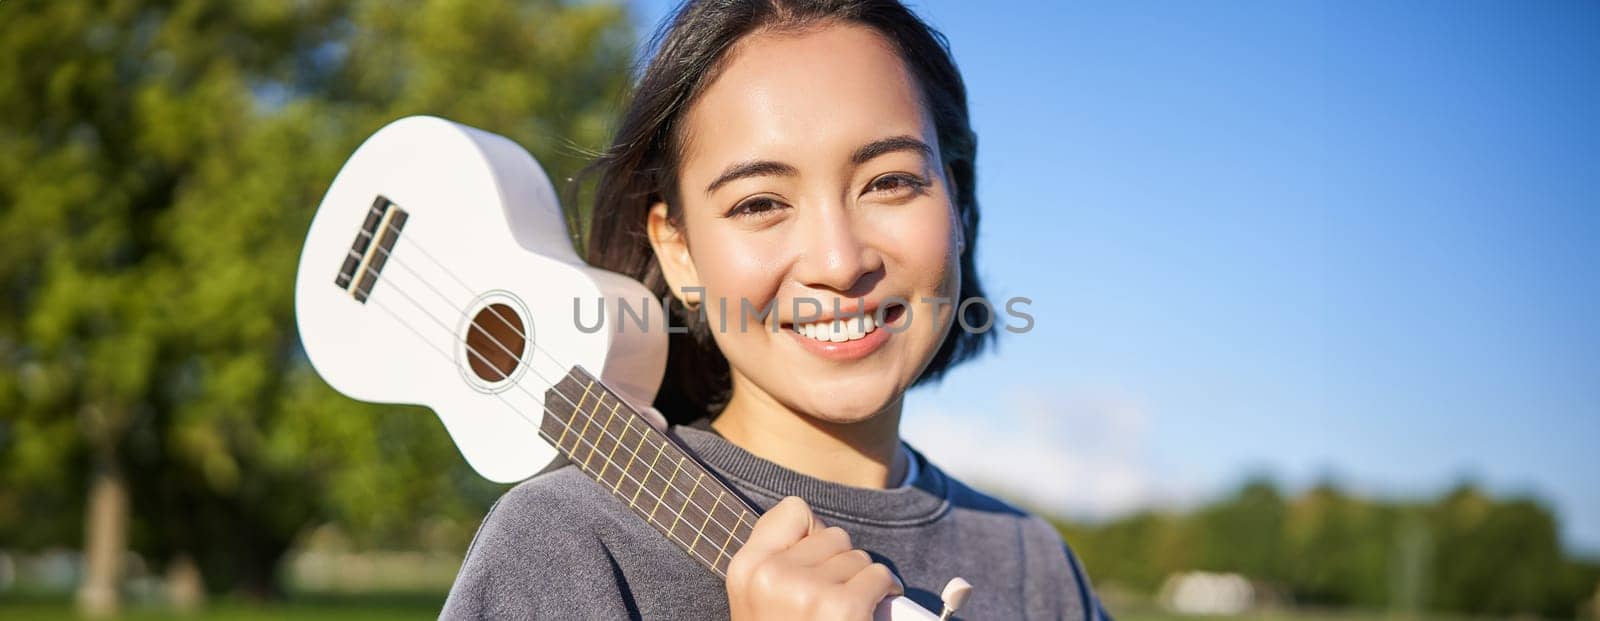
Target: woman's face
811,171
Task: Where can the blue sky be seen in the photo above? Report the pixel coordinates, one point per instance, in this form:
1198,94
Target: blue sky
1355,240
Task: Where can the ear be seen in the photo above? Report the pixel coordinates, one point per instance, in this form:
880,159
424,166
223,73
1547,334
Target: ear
672,253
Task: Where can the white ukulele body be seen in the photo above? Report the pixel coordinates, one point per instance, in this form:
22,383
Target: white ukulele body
482,226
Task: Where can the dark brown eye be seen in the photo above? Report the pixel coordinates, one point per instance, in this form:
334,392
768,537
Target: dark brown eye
897,183
760,205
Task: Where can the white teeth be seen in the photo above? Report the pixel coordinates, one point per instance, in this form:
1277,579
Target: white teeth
838,330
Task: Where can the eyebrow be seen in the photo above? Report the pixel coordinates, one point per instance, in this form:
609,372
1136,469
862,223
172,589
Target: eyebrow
890,145
759,168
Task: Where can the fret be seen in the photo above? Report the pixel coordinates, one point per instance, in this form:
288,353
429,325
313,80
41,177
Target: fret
688,512
644,477
567,422
705,548
606,437
640,462
722,512
706,501
683,529
583,435
631,454
676,514
700,531
629,442
669,488
617,448
722,550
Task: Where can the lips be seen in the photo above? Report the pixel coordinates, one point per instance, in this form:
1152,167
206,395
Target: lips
847,337
838,330
856,316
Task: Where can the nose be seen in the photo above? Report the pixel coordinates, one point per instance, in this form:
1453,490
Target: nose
835,255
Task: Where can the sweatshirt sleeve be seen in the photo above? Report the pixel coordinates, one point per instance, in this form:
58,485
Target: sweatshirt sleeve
1094,610
532,560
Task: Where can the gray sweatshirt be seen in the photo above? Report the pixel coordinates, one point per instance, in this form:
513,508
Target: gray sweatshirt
558,546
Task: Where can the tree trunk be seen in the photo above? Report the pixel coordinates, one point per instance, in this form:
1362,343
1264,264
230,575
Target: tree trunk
105,543
186,589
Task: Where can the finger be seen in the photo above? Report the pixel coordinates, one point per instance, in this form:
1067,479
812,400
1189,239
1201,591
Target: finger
780,527
816,522
818,547
874,582
844,565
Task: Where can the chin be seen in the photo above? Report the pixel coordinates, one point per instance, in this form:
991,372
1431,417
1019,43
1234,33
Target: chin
849,409
844,397
843,418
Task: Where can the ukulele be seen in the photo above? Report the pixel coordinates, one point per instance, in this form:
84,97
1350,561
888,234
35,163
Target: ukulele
438,271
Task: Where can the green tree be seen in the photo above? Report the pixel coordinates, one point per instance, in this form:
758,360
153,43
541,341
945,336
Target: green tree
1496,557
1338,549
1244,533
163,162
1138,551
1467,553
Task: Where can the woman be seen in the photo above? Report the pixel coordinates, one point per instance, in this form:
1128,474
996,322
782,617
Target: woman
786,164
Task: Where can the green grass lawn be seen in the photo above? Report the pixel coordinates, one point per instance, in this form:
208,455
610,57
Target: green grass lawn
398,607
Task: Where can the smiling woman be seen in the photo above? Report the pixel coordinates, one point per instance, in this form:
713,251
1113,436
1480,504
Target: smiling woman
823,182
798,176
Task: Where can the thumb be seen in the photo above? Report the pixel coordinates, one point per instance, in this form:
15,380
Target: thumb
781,526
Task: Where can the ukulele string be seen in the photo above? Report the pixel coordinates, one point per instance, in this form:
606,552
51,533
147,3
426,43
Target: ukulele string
628,423
593,448
742,517
553,387
659,500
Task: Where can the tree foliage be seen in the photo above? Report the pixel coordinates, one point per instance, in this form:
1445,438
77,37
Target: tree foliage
1464,553
163,162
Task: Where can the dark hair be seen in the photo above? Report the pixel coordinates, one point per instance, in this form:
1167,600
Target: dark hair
641,166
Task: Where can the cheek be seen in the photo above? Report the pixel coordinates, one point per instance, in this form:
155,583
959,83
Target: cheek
924,248
734,266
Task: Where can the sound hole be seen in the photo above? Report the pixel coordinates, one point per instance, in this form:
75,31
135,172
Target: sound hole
496,336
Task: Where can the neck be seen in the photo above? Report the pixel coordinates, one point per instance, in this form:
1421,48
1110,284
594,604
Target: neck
859,454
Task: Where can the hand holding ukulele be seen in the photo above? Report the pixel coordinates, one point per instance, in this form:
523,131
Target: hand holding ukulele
793,567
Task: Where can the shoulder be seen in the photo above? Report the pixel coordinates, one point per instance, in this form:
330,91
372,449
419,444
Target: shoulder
1035,533
1034,530
562,499
1046,558
560,512
550,530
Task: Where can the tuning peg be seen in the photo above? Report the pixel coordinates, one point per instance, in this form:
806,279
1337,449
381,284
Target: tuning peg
954,595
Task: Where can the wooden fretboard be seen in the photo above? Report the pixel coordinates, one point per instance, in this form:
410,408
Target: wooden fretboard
618,448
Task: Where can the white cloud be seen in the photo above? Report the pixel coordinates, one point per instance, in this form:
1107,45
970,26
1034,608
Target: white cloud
1082,455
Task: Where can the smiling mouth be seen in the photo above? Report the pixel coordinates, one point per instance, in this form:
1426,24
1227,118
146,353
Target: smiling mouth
852,328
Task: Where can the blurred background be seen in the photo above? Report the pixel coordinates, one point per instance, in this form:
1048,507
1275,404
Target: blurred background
1314,288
